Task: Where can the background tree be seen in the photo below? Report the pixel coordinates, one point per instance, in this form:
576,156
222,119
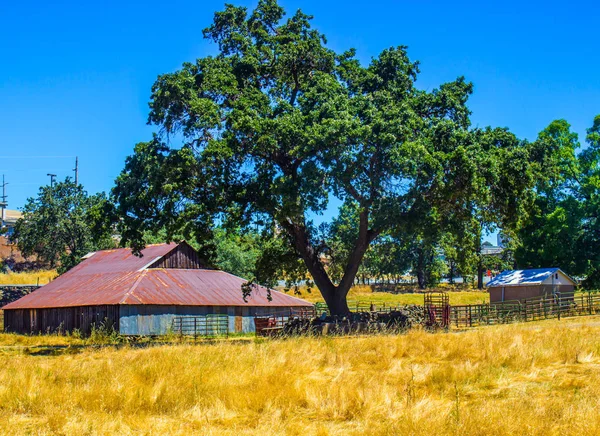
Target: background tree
276,123
562,229
551,235
237,252
589,195
63,223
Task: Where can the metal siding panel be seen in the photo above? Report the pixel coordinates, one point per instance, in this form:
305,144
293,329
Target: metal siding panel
128,320
248,324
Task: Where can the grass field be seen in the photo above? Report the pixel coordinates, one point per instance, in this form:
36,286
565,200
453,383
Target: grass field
533,379
366,294
28,278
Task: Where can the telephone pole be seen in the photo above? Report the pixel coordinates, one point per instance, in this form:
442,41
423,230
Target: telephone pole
76,169
3,203
52,177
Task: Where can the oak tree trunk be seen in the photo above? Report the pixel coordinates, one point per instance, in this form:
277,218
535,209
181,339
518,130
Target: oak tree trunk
334,296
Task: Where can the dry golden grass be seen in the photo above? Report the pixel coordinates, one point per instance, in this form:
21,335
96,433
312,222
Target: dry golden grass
366,294
28,278
528,379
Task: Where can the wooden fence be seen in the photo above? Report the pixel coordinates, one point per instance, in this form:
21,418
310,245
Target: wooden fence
534,309
362,306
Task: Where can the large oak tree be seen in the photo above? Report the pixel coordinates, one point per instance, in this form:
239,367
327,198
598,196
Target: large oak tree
276,123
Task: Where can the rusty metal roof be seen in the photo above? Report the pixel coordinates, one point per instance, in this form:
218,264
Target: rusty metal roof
120,260
119,277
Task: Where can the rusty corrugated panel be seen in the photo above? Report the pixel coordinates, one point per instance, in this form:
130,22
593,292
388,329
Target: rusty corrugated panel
201,288
121,259
118,277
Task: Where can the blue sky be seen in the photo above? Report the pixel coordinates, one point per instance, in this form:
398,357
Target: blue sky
75,77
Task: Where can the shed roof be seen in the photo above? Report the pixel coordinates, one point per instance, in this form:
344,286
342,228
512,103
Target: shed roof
525,277
118,277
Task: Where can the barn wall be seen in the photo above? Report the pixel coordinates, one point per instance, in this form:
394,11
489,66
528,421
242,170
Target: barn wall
62,319
157,320
182,257
526,292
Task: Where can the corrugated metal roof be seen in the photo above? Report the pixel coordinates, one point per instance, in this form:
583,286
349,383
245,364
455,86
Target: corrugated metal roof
118,277
524,277
120,259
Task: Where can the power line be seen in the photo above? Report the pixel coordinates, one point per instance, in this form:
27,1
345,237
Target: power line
37,157
22,170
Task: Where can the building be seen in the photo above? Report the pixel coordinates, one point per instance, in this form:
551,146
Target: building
143,295
529,283
487,249
8,219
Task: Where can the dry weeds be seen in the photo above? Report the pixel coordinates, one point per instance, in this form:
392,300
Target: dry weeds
28,278
532,379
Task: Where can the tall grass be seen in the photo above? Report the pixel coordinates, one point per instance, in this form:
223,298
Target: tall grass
534,379
28,278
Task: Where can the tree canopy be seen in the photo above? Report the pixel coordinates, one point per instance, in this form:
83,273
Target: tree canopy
63,223
277,124
563,229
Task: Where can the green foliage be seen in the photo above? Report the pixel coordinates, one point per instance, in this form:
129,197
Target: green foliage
277,122
63,223
237,253
563,229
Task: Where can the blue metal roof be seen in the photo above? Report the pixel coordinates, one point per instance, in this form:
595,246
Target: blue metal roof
524,277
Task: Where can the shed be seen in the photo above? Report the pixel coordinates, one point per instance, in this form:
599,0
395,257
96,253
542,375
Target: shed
529,283
143,295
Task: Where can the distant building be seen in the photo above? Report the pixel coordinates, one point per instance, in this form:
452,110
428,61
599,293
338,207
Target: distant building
488,249
8,219
143,295
529,283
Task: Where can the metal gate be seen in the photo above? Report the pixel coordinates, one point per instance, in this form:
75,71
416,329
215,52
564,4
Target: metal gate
201,325
437,309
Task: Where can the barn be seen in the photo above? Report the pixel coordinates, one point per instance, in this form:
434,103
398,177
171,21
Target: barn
529,283
143,295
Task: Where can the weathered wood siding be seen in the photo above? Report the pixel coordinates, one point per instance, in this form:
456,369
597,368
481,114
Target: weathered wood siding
182,257
62,319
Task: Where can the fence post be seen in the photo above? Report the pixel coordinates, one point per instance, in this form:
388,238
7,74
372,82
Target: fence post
470,317
195,328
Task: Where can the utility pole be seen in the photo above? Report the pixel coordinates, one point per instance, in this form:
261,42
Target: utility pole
76,169
52,177
3,203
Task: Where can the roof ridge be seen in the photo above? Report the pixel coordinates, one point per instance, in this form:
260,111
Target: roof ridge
130,292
